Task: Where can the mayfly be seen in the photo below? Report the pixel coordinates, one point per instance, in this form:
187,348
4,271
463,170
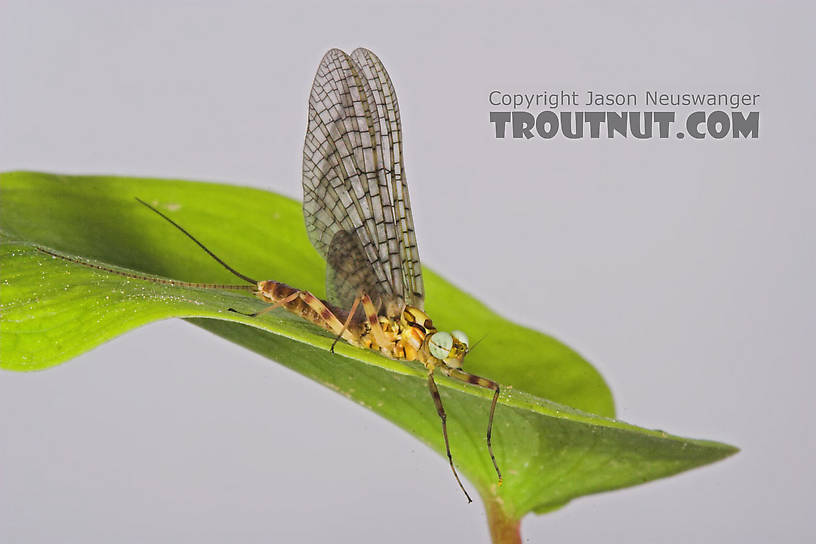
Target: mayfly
358,217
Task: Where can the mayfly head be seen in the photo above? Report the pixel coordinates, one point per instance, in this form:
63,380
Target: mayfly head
451,347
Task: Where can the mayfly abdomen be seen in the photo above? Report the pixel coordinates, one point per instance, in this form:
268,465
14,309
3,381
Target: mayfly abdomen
309,307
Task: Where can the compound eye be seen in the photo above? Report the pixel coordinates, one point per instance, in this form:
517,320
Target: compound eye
440,344
461,337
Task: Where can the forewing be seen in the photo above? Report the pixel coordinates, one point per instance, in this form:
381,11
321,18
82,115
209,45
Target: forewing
393,170
351,154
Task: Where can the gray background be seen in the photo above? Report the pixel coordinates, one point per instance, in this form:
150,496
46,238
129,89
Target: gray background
682,270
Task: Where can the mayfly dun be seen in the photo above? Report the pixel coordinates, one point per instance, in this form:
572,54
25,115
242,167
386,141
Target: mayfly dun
358,217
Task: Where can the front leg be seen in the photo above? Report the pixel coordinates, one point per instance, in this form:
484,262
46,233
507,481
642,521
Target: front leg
473,379
440,410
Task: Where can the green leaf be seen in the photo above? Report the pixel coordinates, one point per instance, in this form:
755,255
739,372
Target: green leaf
553,435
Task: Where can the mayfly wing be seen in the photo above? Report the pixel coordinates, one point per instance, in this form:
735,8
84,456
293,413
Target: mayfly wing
341,192
393,167
353,184
348,271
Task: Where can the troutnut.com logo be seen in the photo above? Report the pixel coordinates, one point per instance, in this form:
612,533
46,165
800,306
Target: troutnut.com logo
618,115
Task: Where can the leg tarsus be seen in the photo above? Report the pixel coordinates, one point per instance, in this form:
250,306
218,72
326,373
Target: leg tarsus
490,431
271,307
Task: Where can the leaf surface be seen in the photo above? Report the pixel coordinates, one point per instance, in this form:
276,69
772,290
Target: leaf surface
553,435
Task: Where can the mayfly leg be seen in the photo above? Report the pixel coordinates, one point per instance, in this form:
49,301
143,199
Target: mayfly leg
328,319
473,379
443,416
274,305
372,317
374,321
347,322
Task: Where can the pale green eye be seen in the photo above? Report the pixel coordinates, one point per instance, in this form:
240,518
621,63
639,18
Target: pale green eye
461,337
440,344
